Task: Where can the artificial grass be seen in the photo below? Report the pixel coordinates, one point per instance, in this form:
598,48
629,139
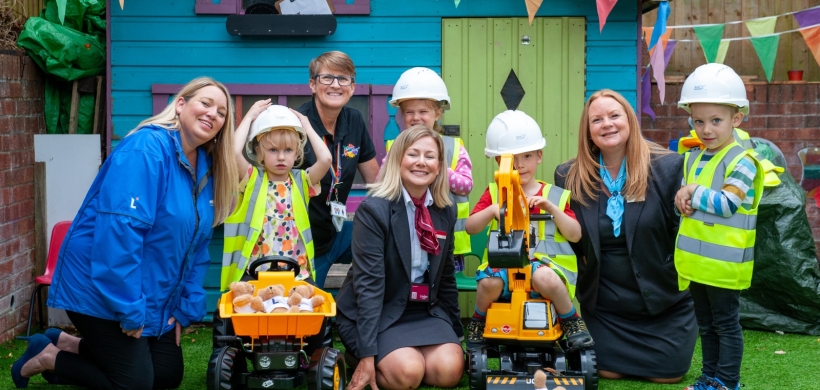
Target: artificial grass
797,369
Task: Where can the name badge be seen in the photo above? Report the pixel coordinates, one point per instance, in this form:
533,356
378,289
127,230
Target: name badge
419,292
338,212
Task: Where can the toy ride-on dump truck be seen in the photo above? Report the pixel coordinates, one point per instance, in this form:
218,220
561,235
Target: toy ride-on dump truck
283,348
524,333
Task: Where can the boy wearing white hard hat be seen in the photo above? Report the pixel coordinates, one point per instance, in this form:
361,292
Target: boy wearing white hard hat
273,198
553,277
721,189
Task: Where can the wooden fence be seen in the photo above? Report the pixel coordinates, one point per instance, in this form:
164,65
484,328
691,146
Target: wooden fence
27,8
792,52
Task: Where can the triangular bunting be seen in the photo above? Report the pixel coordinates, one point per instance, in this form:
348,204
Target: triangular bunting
61,4
660,24
122,4
604,8
809,17
722,49
457,2
667,54
709,38
647,33
762,26
656,60
766,48
532,8
646,95
812,37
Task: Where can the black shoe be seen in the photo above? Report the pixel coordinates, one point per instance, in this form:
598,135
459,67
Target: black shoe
578,337
475,337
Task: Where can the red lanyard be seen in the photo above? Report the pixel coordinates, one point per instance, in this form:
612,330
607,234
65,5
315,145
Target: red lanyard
336,174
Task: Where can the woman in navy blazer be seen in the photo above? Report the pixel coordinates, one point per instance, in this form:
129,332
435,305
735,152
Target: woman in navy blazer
399,341
627,284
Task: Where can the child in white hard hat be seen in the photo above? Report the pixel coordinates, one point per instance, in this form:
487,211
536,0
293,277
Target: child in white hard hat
553,277
273,196
721,188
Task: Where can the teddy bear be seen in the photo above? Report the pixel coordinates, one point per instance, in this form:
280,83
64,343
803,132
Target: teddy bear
243,295
271,299
303,300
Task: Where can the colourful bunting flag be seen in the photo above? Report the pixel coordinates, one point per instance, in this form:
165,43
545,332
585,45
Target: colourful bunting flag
646,95
532,8
647,33
604,8
809,17
709,38
61,10
457,2
766,48
122,4
812,38
722,49
660,23
656,60
762,26
667,54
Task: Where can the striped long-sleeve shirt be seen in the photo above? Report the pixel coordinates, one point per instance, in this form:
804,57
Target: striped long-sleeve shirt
737,191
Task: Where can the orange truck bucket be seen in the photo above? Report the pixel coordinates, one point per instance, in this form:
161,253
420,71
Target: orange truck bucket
277,324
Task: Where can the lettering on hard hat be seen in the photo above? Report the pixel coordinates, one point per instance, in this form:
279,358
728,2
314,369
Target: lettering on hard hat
700,87
404,86
520,137
281,117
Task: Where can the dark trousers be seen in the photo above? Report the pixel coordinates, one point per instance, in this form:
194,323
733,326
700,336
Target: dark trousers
718,315
109,359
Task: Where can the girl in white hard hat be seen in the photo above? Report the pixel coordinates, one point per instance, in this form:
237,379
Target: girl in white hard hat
269,142
421,97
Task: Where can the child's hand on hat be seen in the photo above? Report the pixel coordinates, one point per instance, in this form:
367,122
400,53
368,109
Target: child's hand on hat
257,108
303,120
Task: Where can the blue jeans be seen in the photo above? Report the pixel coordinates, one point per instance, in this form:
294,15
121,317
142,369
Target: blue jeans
339,253
718,314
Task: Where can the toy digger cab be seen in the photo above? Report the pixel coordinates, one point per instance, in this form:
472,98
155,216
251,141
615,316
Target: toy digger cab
524,333
285,349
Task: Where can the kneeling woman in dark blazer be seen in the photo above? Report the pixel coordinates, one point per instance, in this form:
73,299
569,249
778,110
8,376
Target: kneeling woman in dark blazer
398,307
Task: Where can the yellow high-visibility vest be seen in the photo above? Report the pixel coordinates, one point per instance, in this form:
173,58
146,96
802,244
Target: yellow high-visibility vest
243,226
770,171
551,244
711,249
452,148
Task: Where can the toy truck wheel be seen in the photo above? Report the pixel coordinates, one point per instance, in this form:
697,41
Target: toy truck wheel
224,369
477,364
221,327
589,368
327,370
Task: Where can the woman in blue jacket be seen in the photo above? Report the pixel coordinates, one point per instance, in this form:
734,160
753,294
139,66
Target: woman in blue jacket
131,269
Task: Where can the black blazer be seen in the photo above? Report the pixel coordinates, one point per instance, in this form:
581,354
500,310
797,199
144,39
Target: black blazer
377,287
651,228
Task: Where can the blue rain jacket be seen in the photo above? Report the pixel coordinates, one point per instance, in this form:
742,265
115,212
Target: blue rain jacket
137,251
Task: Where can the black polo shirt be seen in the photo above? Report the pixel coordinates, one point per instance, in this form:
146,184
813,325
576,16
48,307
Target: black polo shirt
355,147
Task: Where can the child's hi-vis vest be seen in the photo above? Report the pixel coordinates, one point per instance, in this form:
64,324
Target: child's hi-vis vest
452,148
243,226
551,244
712,249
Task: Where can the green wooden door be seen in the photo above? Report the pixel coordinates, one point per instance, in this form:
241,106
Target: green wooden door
477,55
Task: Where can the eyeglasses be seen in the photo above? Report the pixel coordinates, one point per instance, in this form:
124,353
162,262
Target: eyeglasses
327,79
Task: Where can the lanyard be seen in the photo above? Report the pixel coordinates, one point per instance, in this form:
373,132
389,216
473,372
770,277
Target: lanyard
335,174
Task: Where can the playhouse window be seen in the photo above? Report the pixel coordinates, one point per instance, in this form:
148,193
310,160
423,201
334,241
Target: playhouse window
235,7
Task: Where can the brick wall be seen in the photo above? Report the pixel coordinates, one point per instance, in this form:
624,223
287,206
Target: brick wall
787,114
21,116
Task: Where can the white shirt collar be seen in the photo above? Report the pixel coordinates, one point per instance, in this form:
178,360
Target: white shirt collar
408,200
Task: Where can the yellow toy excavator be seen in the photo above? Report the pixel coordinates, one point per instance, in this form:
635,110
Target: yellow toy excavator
524,333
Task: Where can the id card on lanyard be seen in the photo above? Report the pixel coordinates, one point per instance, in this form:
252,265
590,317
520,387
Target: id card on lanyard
338,211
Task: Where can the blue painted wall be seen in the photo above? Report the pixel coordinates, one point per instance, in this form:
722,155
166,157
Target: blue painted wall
165,42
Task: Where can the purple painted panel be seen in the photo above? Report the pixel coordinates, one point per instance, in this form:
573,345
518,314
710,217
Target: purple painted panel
353,203
382,89
225,7
378,121
359,7
259,89
283,100
159,102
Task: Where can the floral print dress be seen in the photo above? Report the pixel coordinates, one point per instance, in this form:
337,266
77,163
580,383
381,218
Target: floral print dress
280,236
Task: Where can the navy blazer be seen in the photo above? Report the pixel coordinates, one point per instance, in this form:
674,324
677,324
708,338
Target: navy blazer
651,228
377,287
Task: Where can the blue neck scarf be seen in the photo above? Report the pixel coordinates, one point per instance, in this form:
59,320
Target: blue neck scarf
615,204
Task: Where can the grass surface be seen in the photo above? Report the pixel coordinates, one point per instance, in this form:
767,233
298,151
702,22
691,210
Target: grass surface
798,368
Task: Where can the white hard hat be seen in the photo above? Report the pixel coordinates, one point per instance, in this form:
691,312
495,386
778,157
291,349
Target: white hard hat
420,83
273,118
513,132
714,83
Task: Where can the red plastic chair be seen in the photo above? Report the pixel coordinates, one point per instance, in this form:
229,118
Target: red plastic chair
57,236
